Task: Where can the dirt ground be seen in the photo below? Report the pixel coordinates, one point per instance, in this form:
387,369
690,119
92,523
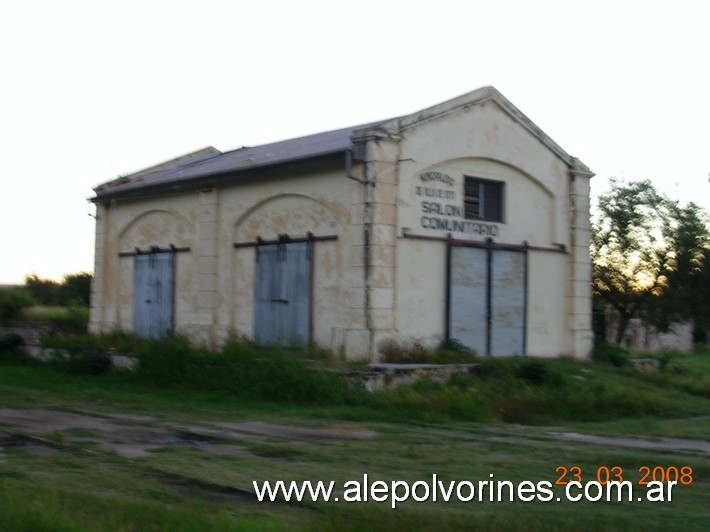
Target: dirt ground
134,436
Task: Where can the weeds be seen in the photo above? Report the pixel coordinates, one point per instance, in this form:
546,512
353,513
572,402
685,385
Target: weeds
240,367
414,352
86,363
73,342
519,390
71,319
12,302
611,354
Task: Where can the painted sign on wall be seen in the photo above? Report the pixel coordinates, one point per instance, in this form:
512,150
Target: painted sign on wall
442,209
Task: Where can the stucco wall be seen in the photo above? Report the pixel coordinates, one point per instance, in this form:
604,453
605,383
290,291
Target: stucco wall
140,224
485,142
214,282
319,204
376,280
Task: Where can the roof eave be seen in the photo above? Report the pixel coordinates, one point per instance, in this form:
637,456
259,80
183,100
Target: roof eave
212,179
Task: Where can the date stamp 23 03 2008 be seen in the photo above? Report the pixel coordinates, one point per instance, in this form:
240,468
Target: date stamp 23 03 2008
604,474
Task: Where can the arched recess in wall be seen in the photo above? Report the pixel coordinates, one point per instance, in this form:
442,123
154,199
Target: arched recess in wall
296,216
530,203
291,214
156,227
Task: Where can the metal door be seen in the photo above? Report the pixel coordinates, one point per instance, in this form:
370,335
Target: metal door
468,316
153,294
282,313
508,303
487,299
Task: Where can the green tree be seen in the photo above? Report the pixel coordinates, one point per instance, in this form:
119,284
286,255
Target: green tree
701,307
689,281
648,253
44,291
75,289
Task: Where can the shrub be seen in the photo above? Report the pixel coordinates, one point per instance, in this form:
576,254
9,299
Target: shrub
430,401
10,341
84,363
516,390
534,372
10,347
242,368
414,352
12,302
78,342
168,362
394,352
452,351
611,354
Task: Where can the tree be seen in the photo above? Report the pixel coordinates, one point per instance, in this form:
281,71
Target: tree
44,291
701,292
689,282
75,289
648,253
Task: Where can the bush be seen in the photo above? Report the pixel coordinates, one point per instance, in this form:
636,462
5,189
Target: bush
242,368
534,372
11,349
517,390
426,400
73,342
414,352
12,302
10,342
611,354
86,363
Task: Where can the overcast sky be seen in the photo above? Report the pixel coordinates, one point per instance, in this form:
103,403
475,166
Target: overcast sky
91,89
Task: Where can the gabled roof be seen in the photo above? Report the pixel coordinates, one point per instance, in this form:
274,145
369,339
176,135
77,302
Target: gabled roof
194,168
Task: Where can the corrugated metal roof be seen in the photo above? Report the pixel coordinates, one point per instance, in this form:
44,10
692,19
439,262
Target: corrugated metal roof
237,160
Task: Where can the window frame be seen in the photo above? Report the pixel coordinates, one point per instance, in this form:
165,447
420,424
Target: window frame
481,199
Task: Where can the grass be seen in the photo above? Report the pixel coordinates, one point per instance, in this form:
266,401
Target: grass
509,390
465,430
100,491
71,319
43,507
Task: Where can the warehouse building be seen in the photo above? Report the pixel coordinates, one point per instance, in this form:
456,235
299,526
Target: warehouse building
461,221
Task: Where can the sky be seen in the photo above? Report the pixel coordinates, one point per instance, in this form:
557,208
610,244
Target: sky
92,89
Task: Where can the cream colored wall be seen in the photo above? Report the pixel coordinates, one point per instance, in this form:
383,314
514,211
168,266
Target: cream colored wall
421,290
214,281
548,332
123,227
319,204
401,292
484,142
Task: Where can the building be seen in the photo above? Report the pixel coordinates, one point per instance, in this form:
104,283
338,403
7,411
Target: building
642,336
461,221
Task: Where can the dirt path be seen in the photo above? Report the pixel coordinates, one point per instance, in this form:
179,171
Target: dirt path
656,444
133,436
